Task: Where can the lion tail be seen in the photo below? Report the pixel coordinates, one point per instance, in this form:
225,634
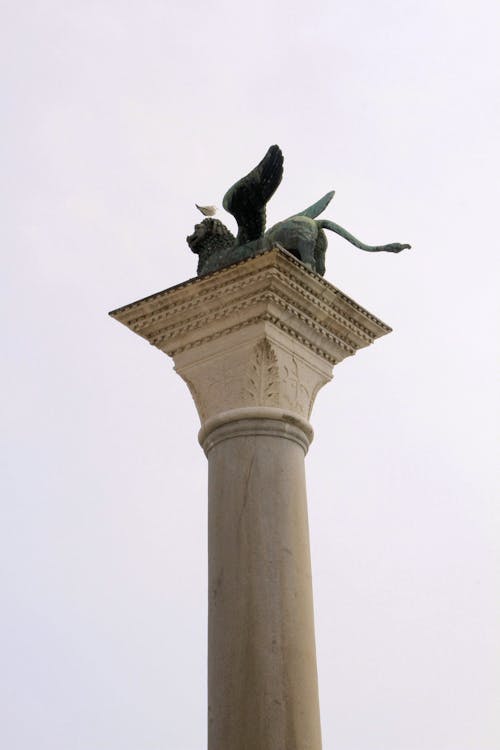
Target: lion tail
394,247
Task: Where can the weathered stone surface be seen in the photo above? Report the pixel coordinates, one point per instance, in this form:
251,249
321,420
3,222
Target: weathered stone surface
264,332
262,680
255,342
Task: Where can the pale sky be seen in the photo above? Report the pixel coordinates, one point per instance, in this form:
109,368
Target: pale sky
117,117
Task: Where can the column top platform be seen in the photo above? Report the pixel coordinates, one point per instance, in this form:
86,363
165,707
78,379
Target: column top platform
272,288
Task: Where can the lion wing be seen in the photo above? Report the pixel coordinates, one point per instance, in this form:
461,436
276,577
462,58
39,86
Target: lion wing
246,200
317,208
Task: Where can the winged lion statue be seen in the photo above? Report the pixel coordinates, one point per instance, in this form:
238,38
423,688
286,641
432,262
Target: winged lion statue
302,234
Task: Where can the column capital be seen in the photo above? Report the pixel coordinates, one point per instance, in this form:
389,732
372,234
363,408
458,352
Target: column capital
265,333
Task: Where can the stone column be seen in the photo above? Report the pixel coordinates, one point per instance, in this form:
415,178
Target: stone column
262,682
255,342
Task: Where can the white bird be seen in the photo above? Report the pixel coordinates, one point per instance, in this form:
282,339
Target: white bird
206,210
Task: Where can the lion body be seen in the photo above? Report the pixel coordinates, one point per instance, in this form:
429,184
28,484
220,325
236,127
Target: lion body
216,246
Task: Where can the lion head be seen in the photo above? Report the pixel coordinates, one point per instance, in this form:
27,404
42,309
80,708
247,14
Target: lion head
210,240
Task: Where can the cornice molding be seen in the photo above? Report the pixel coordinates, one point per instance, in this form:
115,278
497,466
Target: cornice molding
169,317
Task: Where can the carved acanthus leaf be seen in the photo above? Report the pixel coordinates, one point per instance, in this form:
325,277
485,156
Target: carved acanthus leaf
296,396
263,376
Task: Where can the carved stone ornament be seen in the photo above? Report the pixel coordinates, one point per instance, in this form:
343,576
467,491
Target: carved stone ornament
265,332
262,385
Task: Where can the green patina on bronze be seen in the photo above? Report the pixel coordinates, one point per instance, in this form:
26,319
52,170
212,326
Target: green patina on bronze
302,234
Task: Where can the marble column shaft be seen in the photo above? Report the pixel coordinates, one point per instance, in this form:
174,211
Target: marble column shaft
262,681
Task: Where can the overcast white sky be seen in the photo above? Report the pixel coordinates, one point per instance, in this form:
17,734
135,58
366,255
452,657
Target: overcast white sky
117,117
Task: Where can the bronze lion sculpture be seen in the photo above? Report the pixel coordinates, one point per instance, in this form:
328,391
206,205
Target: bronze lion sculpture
302,234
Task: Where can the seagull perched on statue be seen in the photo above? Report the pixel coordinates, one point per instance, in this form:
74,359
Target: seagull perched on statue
207,210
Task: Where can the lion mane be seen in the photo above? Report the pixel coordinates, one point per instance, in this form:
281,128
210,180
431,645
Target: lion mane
211,241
